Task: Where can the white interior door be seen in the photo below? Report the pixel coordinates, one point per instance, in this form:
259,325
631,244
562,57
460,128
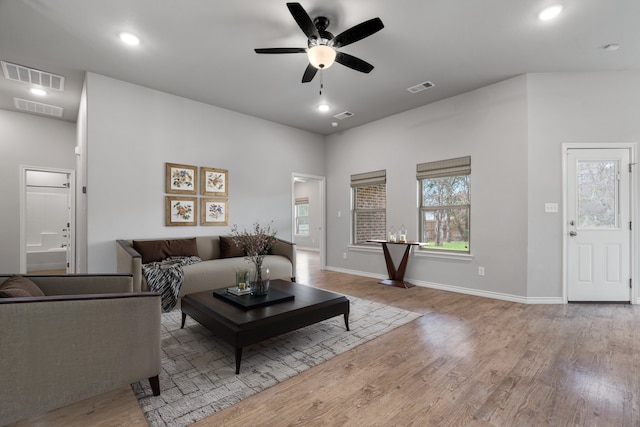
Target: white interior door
46,221
599,228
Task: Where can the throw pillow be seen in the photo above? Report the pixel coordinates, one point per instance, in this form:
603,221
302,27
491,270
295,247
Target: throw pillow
18,286
228,249
183,247
151,250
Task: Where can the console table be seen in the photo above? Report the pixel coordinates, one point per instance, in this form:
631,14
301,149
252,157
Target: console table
396,276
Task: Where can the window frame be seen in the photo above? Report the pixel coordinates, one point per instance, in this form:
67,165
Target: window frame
299,202
457,167
363,180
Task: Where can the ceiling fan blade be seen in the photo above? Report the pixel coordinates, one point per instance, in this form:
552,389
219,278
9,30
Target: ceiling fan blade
358,32
304,21
282,50
309,73
353,62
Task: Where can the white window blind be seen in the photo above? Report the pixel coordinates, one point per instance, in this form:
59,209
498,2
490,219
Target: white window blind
450,167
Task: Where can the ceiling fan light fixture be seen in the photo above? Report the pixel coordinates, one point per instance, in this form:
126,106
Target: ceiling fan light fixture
321,56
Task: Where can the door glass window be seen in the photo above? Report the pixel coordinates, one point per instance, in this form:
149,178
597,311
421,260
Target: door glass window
597,194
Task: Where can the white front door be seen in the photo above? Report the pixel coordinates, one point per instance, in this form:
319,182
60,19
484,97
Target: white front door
599,228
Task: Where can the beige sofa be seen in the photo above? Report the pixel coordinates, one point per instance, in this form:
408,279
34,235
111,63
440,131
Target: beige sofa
218,266
88,335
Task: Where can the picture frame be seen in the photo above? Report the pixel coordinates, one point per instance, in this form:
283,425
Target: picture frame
214,182
181,210
214,211
181,179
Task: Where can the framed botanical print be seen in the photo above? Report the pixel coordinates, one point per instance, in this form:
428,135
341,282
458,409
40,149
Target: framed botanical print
214,182
181,210
214,211
181,179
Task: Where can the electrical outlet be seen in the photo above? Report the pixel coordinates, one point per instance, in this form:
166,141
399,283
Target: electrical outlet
480,271
344,255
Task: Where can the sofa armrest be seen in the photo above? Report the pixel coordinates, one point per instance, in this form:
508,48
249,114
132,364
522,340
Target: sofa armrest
129,261
60,350
74,284
288,250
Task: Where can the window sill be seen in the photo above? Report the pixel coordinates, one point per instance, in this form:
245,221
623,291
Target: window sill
365,248
422,253
419,253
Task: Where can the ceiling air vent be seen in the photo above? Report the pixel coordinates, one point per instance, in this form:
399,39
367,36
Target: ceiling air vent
38,107
32,76
343,115
422,86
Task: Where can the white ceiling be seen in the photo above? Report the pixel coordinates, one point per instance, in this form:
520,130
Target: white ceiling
203,50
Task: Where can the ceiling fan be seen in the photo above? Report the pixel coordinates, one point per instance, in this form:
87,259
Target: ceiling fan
322,45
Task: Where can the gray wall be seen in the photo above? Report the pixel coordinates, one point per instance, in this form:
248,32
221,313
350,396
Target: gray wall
490,125
569,108
28,140
133,131
514,131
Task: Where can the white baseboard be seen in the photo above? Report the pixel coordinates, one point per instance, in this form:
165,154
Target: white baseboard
460,289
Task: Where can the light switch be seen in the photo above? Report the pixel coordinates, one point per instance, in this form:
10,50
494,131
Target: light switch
551,207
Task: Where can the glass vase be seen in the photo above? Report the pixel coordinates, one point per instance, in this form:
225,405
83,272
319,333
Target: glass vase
259,281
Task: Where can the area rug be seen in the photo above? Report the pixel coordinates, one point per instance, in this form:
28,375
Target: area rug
198,370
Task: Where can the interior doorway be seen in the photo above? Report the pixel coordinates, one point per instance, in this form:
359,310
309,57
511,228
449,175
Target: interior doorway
309,213
598,224
46,220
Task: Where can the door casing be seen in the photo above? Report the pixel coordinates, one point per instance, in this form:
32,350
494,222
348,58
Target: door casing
23,209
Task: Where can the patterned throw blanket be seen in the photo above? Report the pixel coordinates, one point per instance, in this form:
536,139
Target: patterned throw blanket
166,277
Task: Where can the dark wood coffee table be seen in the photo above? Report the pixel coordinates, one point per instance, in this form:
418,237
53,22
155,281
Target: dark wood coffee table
241,327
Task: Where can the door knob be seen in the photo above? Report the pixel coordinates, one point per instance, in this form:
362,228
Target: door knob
573,234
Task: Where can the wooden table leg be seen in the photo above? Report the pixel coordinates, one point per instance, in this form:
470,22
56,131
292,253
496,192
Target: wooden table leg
396,276
238,359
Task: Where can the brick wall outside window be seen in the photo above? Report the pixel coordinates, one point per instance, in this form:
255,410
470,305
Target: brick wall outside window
370,214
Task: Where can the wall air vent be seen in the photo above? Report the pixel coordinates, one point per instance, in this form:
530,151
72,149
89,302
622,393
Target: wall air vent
38,107
422,86
343,115
30,75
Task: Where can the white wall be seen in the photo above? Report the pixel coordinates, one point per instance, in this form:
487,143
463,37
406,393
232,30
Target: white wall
29,140
490,125
80,248
569,108
133,131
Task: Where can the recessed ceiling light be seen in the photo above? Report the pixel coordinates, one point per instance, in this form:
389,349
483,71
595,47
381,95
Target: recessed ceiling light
323,107
550,12
37,91
130,39
334,124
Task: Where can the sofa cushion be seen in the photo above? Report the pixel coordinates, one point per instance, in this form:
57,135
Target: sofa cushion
157,250
228,248
18,286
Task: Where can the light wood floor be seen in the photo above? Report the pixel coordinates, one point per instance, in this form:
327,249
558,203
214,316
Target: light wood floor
466,361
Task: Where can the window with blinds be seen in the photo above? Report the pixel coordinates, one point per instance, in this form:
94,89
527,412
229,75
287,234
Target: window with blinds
369,206
302,216
445,204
